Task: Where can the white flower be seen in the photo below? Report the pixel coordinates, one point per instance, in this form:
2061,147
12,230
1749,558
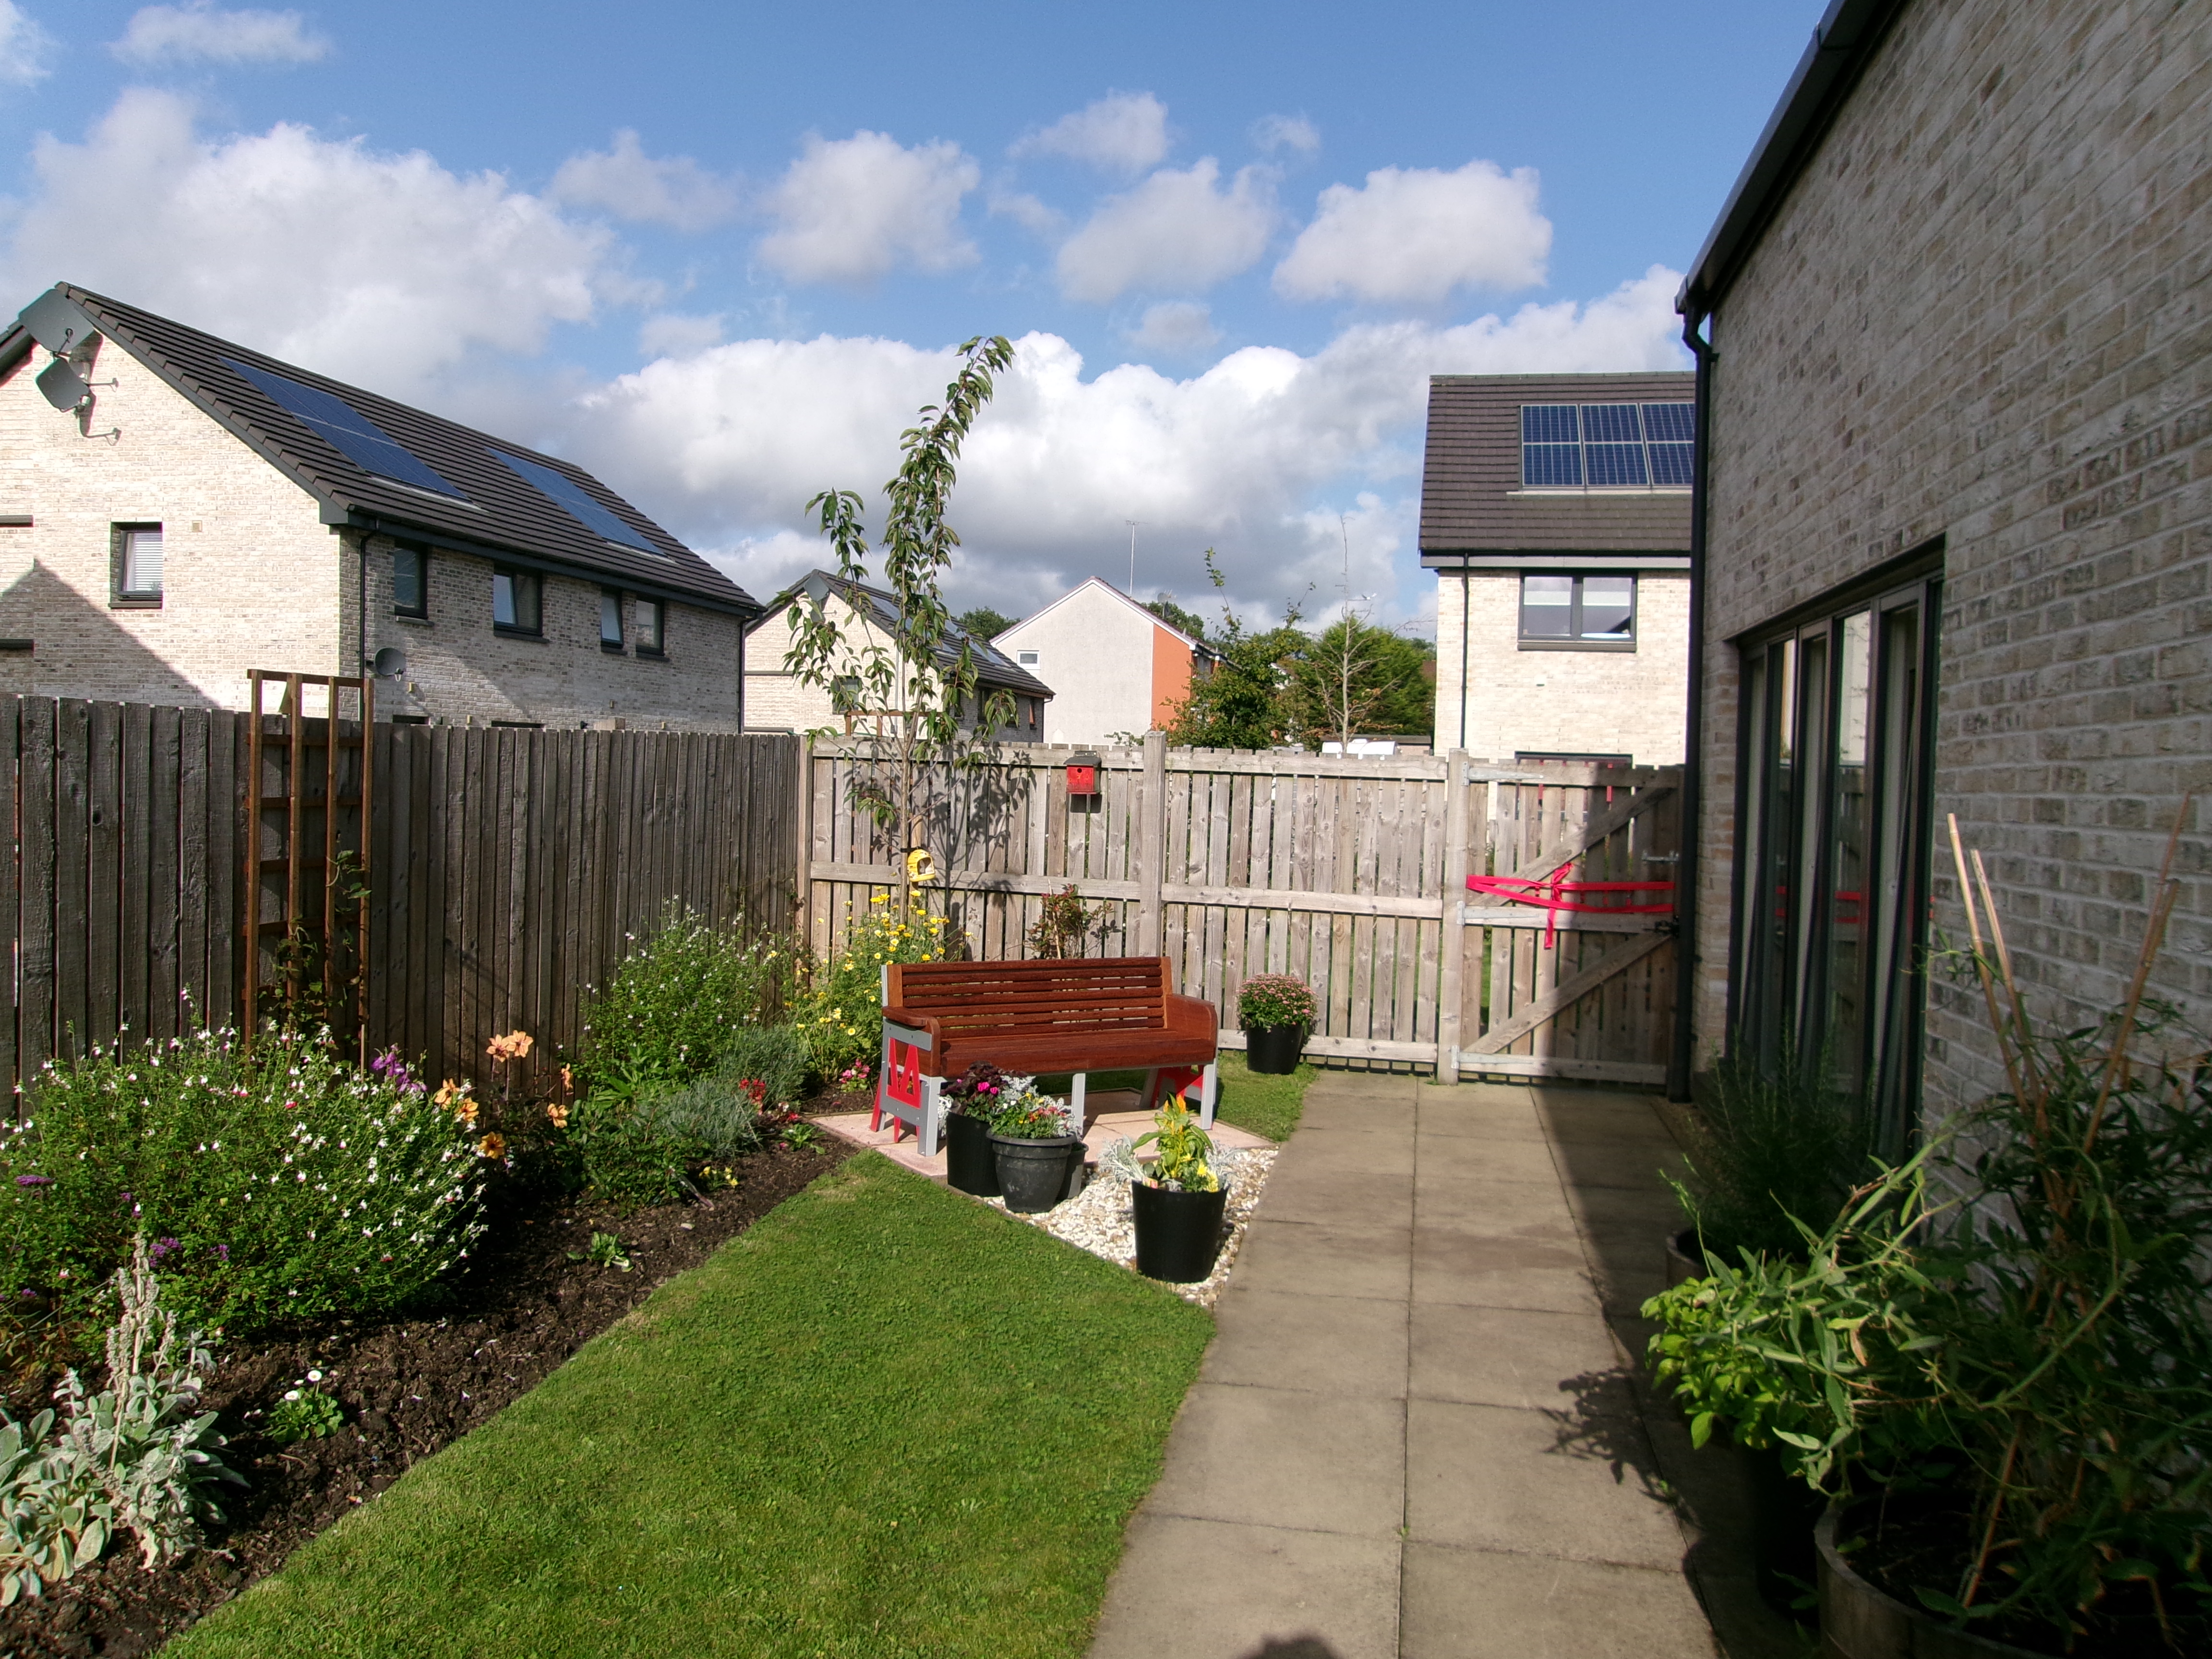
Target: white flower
292,1393
315,1376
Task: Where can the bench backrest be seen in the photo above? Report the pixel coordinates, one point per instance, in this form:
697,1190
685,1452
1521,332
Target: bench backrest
1079,993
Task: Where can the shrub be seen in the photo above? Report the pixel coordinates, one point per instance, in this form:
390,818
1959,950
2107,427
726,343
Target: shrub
719,1114
620,1149
841,1016
285,1185
775,1055
1768,1150
1267,1000
677,1002
137,1456
1063,923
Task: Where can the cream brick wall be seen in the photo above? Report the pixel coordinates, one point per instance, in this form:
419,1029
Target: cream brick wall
1985,313
459,670
1629,702
250,577
777,701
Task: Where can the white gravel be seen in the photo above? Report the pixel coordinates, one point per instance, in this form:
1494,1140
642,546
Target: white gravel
1098,1219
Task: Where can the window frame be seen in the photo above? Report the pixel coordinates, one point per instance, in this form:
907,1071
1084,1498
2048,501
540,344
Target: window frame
420,611
120,595
619,645
654,630
1574,639
516,577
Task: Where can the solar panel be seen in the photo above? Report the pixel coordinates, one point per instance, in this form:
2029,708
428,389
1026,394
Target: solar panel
1611,423
565,493
1673,466
1549,423
346,429
1550,466
1670,423
1616,466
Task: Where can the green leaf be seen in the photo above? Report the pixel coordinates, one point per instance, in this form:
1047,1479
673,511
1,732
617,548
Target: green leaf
1701,1429
1935,1602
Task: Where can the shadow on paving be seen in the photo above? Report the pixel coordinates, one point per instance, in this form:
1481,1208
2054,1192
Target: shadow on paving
1615,1152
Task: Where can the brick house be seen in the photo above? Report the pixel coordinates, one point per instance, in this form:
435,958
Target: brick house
176,510
1956,530
1118,670
1555,511
776,699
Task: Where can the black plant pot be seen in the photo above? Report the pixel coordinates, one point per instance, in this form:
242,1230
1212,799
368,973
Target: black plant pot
1178,1234
1035,1175
1686,1257
1272,1050
971,1162
1785,1563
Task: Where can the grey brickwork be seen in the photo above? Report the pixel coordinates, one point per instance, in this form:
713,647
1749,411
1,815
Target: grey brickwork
1985,313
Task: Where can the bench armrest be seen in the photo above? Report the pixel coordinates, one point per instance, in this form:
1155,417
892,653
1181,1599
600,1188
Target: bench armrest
1194,1015
915,1022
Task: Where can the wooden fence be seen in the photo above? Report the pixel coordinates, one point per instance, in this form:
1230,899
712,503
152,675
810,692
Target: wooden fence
1350,873
508,869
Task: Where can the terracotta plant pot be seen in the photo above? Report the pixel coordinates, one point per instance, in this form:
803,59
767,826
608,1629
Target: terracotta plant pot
1178,1234
1858,1621
1035,1175
971,1162
1273,1050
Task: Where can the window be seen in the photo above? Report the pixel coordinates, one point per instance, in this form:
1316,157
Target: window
514,601
1607,445
135,581
410,581
1578,613
1832,850
652,627
611,620
1027,658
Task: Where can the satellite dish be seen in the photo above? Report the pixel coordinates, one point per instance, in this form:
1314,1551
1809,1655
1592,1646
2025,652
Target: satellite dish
59,323
390,663
64,388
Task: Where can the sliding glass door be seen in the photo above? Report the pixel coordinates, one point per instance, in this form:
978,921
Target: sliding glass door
1832,848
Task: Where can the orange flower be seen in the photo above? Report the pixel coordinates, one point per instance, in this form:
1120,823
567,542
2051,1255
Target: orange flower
515,1045
492,1145
559,1114
568,1081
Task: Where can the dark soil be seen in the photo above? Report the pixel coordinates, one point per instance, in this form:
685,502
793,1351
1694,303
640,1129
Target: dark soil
409,1387
1930,1541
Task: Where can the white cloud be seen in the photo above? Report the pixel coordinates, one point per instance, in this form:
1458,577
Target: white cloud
676,334
1175,325
379,267
851,210
1030,213
725,446
25,48
200,34
1413,235
1122,132
1176,230
623,181
1277,133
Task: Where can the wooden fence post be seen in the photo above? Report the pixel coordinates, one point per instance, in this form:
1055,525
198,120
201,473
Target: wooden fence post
1451,953
1152,843
803,920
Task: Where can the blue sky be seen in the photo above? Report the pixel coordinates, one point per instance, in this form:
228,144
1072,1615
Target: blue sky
717,253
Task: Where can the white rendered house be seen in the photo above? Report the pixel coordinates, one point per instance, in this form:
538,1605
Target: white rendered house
1115,669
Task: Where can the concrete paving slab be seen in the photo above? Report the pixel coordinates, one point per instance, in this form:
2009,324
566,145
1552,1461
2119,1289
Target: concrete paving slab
1476,1205
1306,1188
1479,1604
1641,1168
1488,1270
1375,1149
1541,1482
1475,1159
1283,1457
1515,1357
1338,1594
1324,1343
1321,1260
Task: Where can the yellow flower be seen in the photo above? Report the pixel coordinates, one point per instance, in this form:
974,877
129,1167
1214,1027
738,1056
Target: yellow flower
559,1114
492,1145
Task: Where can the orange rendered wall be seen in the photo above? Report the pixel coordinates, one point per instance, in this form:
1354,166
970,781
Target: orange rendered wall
1171,675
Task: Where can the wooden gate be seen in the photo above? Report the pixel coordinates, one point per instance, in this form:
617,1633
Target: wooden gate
1349,872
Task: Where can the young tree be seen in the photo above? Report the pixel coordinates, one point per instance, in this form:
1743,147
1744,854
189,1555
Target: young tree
906,668
1240,703
1357,678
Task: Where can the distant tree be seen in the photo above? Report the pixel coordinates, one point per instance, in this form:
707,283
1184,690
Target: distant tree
1164,607
984,623
1357,680
1240,703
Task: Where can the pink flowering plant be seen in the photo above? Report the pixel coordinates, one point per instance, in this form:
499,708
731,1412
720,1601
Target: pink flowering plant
1267,1001
279,1186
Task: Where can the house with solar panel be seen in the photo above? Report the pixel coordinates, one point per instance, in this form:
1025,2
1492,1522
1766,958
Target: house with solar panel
777,700
1555,511
177,510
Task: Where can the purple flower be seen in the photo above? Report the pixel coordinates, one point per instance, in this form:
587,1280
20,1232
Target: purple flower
162,1247
223,1250
34,1180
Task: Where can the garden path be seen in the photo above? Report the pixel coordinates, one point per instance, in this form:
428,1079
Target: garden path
1417,1432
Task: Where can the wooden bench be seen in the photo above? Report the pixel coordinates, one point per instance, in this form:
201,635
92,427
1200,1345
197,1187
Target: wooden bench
1078,1015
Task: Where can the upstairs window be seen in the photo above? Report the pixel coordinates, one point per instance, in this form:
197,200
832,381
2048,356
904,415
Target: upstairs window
1027,658
1607,445
611,620
1586,613
410,581
652,627
515,602
136,556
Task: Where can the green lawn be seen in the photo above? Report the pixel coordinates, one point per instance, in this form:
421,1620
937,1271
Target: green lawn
1267,1106
885,1421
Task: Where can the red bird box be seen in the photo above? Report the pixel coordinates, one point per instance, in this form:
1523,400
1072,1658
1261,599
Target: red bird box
1083,775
